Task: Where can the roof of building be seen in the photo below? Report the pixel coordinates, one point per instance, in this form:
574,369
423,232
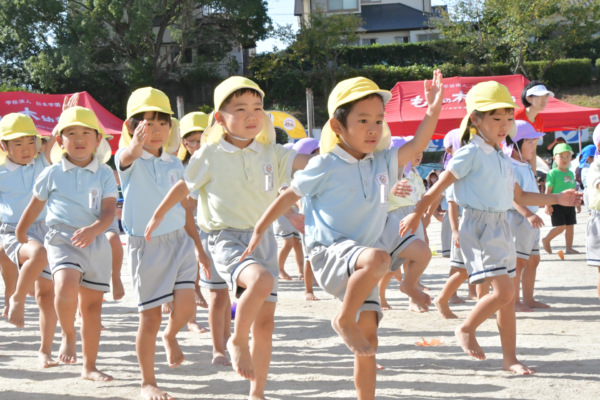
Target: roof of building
393,17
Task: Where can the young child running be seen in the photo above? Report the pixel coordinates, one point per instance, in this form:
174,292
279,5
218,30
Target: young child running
592,237
524,223
19,142
163,267
284,229
558,180
353,176
484,185
81,194
237,173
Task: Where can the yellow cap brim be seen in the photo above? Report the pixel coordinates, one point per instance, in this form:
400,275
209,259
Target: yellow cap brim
191,129
464,123
150,109
77,123
235,89
385,95
16,135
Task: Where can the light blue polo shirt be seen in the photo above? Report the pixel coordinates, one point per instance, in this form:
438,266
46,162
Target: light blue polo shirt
526,180
16,188
347,198
449,196
145,184
484,176
74,194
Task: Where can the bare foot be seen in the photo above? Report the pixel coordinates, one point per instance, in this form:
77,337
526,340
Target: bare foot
200,300
5,312
421,287
535,304
150,392
67,353
353,337
469,344
379,367
547,247
472,296
16,313
284,276
571,251
46,361
520,307
309,296
454,299
517,368
95,375
444,309
385,305
241,360
118,291
220,360
175,356
419,301
301,277
194,327
167,308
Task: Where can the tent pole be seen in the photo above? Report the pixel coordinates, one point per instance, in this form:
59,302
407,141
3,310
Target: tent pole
580,148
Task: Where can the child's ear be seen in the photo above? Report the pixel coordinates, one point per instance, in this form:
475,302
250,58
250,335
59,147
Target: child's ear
59,140
336,126
130,128
219,118
474,120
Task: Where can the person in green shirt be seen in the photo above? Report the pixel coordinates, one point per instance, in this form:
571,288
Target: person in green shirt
558,180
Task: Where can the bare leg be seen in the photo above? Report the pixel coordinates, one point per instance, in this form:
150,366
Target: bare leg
90,304
554,232
282,257
44,296
365,368
145,347
262,347
507,325
309,278
441,302
194,326
66,289
520,307
298,256
10,275
454,299
569,234
418,254
472,292
482,290
529,283
383,284
183,307
118,291
219,321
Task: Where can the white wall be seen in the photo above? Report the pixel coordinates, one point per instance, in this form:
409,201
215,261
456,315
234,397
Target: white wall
390,37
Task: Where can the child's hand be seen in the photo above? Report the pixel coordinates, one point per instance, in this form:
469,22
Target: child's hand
21,236
70,102
570,198
254,242
434,90
455,238
402,189
151,227
84,237
536,221
139,135
409,224
297,221
549,210
203,261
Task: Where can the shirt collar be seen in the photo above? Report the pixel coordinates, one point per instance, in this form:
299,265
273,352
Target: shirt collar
11,166
487,149
518,163
230,148
349,158
67,165
163,156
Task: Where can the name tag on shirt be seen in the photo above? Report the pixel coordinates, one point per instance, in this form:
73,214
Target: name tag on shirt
172,179
383,183
268,171
94,199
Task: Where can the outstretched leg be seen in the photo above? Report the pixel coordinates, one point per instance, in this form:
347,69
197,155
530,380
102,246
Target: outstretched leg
383,284
282,257
90,304
507,325
554,232
10,275
262,346
520,307
528,279
145,347
44,296
456,279
365,368
309,278
183,308
418,254
66,289
569,235
219,320
298,256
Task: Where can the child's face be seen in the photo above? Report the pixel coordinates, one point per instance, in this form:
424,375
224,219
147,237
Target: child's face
157,131
242,116
563,159
417,160
495,128
538,102
79,141
364,125
527,149
192,142
21,150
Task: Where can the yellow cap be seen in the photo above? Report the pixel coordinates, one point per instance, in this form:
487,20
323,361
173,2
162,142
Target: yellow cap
78,116
148,99
346,92
227,87
192,122
288,123
14,125
488,96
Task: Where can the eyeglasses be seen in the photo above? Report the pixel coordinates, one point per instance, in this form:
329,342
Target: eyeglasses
192,143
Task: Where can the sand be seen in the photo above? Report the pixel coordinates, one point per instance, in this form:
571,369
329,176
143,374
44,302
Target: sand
310,361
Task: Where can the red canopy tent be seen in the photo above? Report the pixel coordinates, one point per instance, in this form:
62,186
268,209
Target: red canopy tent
407,108
45,109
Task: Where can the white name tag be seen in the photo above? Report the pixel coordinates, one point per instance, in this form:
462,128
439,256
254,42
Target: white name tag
268,171
172,179
94,199
384,188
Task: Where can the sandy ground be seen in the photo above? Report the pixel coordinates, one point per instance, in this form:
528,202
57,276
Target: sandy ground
309,361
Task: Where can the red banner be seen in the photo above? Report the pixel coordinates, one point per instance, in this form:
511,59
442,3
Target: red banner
45,110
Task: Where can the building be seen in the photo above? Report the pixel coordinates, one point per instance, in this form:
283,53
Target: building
385,21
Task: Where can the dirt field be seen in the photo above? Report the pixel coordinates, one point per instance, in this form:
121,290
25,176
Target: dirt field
309,361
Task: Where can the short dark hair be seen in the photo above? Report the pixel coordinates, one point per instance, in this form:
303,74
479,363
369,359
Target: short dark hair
61,132
466,136
238,93
530,85
135,119
341,113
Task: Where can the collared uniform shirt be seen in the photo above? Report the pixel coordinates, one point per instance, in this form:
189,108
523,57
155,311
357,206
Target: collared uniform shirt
593,179
347,198
418,190
484,176
74,194
236,186
526,180
16,188
145,184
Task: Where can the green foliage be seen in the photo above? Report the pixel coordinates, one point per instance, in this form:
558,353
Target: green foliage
206,109
562,73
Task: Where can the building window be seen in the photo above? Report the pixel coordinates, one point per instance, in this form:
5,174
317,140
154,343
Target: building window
342,5
428,37
402,39
187,57
368,42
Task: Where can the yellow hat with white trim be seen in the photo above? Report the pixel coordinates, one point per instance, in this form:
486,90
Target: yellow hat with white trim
346,92
15,125
192,122
78,116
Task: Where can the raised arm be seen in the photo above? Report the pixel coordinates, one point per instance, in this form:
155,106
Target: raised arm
176,195
568,198
30,214
136,146
49,144
533,219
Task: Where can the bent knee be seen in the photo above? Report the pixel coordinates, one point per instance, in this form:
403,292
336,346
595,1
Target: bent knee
260,281
377,261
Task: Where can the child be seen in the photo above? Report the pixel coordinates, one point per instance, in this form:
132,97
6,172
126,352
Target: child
558,180
285,230
524,223
353,176
81,195
22,166
592,237
163,267
485,187
237,173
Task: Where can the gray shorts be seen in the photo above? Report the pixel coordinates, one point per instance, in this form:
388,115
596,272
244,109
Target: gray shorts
333,267
283,229
592,240
37,231
525,236
215,281
114,226
446,236
403,212
487,245
227,246
93,262
390,240
456,257
159,267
